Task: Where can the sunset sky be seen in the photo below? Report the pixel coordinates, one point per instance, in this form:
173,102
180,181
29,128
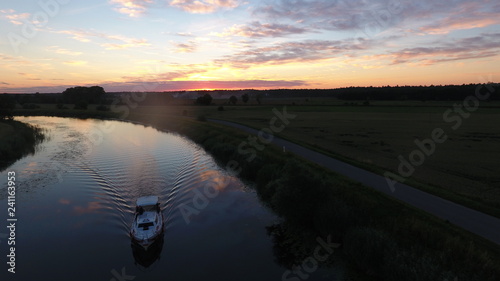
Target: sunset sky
162,45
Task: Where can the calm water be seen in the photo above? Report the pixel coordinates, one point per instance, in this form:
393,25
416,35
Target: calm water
75,200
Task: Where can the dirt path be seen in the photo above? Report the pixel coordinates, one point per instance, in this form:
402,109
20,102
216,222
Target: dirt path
476,222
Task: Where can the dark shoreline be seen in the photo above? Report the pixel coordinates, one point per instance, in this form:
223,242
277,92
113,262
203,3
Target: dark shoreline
17,140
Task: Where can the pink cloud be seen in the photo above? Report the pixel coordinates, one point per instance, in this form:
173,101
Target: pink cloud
257,29
13,17
132,8
204,6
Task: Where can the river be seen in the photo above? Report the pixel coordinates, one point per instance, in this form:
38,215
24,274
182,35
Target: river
75,198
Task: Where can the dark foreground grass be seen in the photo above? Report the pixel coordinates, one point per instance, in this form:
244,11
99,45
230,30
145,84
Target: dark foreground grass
381,238
17,139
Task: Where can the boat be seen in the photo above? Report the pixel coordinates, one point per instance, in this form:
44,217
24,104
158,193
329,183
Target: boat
148,221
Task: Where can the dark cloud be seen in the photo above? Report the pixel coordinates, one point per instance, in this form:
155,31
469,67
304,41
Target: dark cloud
372,17
258,30
287,52
187,47
485,45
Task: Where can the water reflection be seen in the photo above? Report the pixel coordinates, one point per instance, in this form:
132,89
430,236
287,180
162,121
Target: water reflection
143,257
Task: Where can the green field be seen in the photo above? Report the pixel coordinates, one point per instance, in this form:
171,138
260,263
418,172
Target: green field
463,168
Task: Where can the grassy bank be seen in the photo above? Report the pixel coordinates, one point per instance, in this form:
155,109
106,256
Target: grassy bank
17,139
382,239
52,110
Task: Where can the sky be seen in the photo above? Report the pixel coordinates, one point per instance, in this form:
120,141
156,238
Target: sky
168,45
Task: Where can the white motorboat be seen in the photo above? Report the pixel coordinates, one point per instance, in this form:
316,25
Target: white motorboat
148,221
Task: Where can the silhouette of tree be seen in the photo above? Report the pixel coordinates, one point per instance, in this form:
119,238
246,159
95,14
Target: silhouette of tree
204,100
92,94
258,98
233,100
245,98
7,104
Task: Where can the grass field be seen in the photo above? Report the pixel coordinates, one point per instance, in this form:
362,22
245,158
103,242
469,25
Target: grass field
463,168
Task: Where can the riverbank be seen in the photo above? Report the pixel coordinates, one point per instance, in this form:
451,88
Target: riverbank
17,139
379,237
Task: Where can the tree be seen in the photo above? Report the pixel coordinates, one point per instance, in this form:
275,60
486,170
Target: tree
233,100
245,98
258,98
92,94
7,104
204,100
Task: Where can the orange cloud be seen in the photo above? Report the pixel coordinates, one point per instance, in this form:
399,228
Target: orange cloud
75,63
63,51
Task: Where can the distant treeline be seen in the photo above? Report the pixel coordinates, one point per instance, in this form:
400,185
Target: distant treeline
97,95
91,96
419,93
